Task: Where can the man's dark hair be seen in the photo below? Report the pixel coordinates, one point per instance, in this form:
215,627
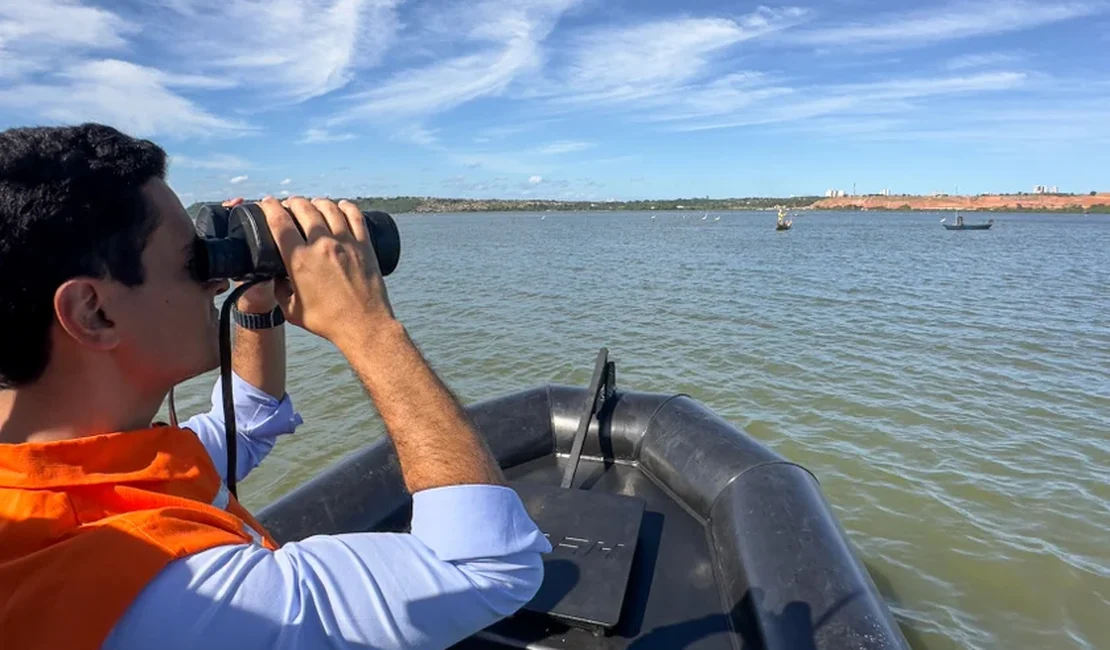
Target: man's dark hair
70,206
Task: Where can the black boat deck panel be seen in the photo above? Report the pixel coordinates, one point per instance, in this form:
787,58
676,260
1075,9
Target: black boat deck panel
593,537
667,605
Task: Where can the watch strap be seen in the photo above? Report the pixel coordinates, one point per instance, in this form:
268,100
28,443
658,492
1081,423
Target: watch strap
252,321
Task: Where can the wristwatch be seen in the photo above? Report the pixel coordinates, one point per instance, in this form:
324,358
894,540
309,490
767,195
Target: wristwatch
252,321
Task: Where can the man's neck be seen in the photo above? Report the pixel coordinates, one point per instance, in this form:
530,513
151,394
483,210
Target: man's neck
65,405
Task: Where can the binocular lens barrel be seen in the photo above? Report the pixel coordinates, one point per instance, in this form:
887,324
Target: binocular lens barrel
223,258
237,244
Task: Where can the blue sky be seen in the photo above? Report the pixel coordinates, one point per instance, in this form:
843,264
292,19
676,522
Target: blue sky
590,99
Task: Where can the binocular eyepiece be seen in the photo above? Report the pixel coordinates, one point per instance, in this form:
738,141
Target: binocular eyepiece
237,244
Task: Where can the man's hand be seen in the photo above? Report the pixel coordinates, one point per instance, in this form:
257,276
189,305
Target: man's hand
335,288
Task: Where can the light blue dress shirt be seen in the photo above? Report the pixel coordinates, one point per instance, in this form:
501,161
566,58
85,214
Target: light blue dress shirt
472,558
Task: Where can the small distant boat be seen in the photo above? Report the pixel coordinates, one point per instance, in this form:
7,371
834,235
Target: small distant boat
960,225
970,226
783,223
717,218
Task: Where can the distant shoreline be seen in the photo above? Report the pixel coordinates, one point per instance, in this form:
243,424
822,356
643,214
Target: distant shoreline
1047,203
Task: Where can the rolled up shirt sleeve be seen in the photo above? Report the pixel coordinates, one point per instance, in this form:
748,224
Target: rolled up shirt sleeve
259,420
472,558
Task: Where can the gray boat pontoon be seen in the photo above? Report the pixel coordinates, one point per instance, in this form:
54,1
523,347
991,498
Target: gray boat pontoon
671,529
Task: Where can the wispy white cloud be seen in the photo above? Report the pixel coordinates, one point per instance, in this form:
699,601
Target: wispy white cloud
565,146
625,64
728,94
14,67
447,84
851,126
950,22
503,131
506,186
135,98
64,61
1063,122
860,98
59,59
501,39
217,161
319,136
287,181
61,23
535,180
683,71
667,69
235,180
502,162
983,60
417,134
197,81
288,50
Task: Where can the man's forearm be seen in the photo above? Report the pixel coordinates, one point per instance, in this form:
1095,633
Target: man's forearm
258,356
436,442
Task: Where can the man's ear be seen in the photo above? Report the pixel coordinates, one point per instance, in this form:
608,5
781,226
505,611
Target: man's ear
79,305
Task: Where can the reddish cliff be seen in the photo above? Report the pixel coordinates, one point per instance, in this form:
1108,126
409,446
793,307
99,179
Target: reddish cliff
999,202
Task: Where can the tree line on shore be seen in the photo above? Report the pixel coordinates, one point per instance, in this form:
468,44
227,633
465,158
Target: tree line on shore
423,204
402,204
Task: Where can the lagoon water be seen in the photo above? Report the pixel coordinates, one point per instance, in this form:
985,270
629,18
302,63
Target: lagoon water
951,390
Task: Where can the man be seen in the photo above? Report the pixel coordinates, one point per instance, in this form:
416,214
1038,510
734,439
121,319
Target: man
120,535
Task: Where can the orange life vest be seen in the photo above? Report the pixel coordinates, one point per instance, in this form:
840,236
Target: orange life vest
86,523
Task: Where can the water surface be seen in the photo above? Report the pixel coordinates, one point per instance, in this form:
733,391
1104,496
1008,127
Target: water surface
951,390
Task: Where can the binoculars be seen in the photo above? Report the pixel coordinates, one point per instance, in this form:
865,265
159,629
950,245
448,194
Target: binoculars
237,244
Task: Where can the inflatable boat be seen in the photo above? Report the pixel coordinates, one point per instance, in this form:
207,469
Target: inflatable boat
969,226
670,528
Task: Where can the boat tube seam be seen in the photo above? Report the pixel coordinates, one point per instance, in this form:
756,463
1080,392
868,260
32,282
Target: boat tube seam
647,427
662,485
755,467
720,577
551,433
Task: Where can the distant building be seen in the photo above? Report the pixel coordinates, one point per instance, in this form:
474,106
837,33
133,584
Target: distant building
835,194
884,193
1046,189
